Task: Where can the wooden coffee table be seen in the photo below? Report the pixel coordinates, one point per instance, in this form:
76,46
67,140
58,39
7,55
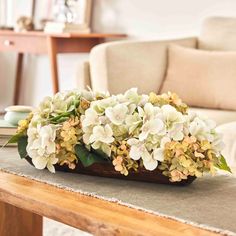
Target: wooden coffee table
25,201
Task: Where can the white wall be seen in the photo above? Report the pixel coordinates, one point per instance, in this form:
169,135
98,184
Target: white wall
140,19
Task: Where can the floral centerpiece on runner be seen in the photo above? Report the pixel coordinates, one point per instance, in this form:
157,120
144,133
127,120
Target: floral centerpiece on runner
130,131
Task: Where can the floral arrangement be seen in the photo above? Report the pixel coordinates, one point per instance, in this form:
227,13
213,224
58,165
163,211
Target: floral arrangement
130,131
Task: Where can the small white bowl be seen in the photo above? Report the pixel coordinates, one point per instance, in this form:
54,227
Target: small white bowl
16,113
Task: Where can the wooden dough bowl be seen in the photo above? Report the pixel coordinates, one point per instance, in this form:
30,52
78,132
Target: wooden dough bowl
107,170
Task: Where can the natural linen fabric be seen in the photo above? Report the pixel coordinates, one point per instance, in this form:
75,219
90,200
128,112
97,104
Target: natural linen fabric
208,203
202,78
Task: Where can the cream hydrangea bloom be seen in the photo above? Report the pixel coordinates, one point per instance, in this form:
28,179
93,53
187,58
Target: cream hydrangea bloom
133,121
202,128
42,147
117,114
158,153
151,127
100,105
90,118
101,138
174,122
148,112
138,151
102,134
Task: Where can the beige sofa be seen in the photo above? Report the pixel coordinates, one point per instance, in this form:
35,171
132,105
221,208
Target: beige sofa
117,66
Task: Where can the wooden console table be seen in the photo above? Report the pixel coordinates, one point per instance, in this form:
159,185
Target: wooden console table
51,44
23,202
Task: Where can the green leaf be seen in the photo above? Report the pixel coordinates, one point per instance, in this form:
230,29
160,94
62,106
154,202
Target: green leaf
22,144
57,118
88,158
62,119
14,139
223,165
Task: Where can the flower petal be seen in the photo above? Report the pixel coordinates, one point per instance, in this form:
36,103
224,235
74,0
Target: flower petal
135,153
40,162
150,165
158,154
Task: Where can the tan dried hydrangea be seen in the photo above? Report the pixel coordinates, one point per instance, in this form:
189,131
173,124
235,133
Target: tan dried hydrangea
168,98
83,105
121,159
69,135
24,124
188,157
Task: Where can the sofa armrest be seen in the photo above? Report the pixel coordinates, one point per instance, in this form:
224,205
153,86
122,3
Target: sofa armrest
83,75
117,66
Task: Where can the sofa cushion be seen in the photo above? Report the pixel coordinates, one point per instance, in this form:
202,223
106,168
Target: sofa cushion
118,66
218,33
202,78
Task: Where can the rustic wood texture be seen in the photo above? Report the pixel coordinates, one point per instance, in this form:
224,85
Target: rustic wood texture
63,35
18,78
83,46
37,42
90,214
107,170
52,54
15,221
23,44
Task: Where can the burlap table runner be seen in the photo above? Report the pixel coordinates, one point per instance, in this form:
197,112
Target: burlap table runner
208,202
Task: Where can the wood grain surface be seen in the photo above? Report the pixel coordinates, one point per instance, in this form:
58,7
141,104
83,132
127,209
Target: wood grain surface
107,170
15,221
62,35
90,214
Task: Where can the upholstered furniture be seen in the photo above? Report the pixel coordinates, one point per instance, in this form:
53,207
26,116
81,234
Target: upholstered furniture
197,77
117,66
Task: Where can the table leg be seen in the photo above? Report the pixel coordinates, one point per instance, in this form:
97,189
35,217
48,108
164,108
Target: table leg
18,222
52,53
18,78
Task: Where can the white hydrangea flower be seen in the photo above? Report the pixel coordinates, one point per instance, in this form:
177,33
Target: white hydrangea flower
144,99
132,95
133,121
90,118
42,147
138,150
100,138
102,134
158,153
59,105
148,112
100,105
177,133
45,107
117,114
171,116
88,130
217,143
43,162
154,126
174,122
202,128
